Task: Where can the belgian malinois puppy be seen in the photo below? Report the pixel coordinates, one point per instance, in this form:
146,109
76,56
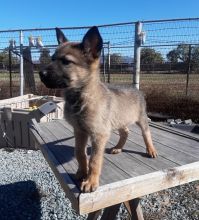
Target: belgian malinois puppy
93,109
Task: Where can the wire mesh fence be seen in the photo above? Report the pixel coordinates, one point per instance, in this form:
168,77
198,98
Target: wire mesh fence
171,73
169,60
118,46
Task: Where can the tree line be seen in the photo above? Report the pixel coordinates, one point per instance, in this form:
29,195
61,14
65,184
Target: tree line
152,56
149,56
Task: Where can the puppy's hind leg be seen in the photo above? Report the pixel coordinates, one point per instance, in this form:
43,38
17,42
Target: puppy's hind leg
123,133
143,123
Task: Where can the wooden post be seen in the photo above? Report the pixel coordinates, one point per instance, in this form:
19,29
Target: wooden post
94,215
137,55
104,64
21,64
28,71
109,62
134,209
111,212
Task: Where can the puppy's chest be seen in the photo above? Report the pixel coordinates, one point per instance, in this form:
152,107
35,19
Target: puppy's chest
74,104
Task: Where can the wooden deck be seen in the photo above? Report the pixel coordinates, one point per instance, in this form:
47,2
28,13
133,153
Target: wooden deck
125,176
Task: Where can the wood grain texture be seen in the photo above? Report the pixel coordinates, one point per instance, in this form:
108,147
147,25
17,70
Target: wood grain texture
128,189
68,185
125,176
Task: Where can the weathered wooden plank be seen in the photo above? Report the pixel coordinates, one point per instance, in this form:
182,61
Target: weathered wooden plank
137,150
136,160
125,188
17,129
66,125
2,131
138,153
62,147
7,127
65,180
162,162
57,128
20,100
135,165
128,164
181,147
110,172
128,189
185,140
183,134
24,130
164,151
31,140
189,139
188,142
70,188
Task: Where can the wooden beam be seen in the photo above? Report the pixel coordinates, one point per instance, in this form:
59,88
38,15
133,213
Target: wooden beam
94,215
129,189
111,212
134,209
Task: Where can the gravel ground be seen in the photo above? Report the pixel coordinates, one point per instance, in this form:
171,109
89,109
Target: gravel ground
29,190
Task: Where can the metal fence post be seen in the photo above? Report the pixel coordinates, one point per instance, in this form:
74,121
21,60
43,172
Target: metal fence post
137,55
21,64
188,70
109,62
104,65
10,71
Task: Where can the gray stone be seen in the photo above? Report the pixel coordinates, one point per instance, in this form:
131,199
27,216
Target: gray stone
178,121
188,122
172,123
170,120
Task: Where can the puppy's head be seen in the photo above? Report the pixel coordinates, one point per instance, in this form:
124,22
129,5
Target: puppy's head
72,63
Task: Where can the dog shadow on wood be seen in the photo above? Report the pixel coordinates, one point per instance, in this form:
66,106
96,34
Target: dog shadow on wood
107,150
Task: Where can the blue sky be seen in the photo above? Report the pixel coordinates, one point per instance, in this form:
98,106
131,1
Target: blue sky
51,13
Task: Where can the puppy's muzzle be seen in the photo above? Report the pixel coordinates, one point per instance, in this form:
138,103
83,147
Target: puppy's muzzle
43,75
52,81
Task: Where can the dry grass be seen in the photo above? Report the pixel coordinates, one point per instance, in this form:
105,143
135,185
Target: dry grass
165,93
183,107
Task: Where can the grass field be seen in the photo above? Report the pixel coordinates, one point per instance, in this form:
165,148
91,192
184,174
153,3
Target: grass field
165,93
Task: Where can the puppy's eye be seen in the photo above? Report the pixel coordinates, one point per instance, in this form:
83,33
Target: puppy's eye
53,58
65,61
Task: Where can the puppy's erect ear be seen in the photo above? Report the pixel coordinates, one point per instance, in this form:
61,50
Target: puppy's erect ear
92,42
60,36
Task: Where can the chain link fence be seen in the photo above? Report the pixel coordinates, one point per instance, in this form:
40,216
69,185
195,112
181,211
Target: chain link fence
163,58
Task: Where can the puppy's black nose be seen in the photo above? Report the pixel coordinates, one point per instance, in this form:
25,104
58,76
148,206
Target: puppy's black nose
43,73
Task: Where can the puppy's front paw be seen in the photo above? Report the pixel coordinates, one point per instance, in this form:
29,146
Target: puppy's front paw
115,150
90,184
152,152
81,175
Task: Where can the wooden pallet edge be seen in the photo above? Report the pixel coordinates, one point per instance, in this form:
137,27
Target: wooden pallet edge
129,189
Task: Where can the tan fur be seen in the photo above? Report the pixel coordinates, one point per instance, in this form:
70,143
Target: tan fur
94,110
